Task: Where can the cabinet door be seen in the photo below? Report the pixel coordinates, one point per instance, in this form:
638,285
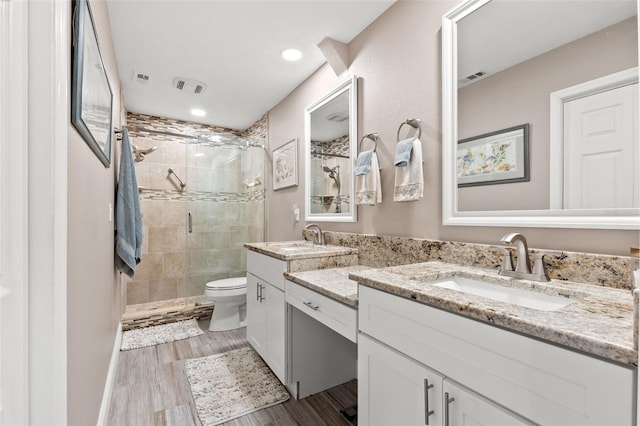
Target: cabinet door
395,390
463,407
256,315
276,327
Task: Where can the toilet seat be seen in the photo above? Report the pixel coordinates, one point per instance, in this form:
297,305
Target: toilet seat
228,284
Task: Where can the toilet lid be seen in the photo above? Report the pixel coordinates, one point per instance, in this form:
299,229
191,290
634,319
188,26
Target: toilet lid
228,283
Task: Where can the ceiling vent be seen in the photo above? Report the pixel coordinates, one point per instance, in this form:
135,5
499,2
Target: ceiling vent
475,76
189,85
140,77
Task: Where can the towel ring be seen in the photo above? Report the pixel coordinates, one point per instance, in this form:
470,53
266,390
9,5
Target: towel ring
413,122
373,136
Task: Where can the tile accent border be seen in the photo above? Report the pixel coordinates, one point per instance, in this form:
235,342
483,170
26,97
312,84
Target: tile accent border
227,197
384,251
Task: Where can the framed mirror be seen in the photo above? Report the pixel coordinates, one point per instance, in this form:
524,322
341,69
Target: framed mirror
573,84
330,149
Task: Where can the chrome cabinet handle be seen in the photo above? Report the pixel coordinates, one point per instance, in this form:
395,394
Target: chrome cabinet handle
261,289
447,401
427,412
258,292
311,305
190,223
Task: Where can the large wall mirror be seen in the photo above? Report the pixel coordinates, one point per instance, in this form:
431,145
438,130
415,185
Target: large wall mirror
567,72
330,149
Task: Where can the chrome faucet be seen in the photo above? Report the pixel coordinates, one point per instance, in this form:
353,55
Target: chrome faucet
523,264
318,236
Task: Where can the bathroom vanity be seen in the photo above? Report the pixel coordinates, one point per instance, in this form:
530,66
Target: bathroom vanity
428,354
306,338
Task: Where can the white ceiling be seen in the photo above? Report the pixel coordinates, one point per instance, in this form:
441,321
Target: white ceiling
504,33
232,46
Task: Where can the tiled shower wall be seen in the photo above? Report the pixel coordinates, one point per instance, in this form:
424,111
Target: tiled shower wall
224,194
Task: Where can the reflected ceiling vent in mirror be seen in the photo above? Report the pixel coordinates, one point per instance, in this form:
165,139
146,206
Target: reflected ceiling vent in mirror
337,117
475,76
189,85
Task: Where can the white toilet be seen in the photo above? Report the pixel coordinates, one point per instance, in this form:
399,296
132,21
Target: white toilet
229,298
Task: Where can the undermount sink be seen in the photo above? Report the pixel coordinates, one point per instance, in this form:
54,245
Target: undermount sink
294,246
297,248
516,296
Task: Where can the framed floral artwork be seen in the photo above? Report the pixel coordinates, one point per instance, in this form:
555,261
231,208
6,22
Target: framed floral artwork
285,165
494,158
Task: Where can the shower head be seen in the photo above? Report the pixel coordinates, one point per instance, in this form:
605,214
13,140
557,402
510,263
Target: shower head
140,153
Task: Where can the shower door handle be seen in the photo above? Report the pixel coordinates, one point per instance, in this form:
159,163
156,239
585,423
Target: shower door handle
190,223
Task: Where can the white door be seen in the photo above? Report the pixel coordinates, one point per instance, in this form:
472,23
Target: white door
464,408
394,389
275,306
256,315
601,150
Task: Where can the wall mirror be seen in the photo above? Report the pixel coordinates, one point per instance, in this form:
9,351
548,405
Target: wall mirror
569,71
330,149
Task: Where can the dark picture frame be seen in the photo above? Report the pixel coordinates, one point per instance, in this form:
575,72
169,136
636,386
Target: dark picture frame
91,95
494,158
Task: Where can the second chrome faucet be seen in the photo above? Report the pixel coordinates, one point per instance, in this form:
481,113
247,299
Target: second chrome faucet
318,236
523,264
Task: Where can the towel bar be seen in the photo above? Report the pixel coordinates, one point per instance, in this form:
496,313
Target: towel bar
374,137
413,122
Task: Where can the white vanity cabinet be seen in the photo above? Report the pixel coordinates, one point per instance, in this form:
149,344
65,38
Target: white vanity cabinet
495,376
394,389
266,310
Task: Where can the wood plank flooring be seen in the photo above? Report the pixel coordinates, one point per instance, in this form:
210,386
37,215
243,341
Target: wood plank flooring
152,389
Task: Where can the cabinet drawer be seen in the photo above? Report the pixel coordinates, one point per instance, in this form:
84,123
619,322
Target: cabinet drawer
267,268
340,318
542,382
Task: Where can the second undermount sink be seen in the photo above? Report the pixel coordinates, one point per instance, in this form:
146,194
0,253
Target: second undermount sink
516,296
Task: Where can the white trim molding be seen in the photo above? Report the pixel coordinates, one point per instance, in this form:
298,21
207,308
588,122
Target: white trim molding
103,417
14,185
48,55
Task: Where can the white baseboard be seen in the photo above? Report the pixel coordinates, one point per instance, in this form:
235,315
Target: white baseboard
111,377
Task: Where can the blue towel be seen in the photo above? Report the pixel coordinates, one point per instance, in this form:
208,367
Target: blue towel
363,163
403,152
128,217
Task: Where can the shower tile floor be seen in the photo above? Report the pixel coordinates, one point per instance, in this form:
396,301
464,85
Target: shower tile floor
151,388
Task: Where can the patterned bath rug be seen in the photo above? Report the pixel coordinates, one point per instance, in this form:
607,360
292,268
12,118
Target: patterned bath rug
229,385
149,336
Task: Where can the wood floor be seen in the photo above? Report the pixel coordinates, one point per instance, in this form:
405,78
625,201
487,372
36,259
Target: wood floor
152,389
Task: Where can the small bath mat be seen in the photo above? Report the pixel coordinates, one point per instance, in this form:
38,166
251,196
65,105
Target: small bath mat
149,336
232,384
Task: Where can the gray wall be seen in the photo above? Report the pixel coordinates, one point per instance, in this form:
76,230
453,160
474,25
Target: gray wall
94,300
398,61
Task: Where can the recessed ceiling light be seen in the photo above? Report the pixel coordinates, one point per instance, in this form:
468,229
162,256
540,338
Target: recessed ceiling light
198,112
291,54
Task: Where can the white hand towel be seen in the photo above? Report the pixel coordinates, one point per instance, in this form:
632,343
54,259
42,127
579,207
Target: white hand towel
368,187
409,179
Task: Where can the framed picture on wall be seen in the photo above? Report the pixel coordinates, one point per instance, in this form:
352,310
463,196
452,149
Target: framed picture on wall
493,158
285,165
91,96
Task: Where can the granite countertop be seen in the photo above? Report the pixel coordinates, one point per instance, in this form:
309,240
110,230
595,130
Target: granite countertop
598,322
292,250
333,283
